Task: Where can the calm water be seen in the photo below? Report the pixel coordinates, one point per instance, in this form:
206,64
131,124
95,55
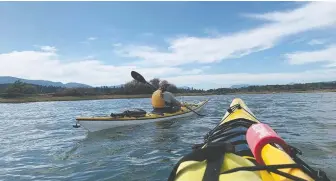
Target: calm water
38,141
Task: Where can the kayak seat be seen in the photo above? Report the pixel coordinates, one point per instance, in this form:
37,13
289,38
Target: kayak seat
130,113
161,111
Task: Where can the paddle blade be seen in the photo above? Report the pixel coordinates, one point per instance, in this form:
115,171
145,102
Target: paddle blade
138,77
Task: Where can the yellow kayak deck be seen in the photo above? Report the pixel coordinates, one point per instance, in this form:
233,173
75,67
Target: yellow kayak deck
229,139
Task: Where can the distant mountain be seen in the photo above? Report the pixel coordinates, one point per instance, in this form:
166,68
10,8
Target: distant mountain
239,86
74,84
292,83
184,87
9,80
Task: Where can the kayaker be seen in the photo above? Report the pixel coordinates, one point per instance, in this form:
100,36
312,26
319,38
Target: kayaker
165,101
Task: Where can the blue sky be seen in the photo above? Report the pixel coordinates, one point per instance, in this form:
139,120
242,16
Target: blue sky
200,44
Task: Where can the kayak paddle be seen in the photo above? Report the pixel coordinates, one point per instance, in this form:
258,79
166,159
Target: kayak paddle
138,77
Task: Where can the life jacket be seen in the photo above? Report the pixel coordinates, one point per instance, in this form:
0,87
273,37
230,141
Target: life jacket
157,99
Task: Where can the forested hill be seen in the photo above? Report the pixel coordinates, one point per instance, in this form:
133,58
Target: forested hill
19,89
11,80
330,86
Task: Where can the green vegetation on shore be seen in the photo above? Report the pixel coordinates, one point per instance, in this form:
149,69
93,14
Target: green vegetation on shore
307,87
19,92
48,98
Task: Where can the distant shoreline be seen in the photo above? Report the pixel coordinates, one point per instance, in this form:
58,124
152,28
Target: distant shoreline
49,98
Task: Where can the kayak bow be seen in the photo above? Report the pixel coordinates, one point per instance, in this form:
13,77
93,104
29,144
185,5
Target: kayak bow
105,122
241,148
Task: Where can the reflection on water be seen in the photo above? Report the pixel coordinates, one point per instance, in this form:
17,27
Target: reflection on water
39,142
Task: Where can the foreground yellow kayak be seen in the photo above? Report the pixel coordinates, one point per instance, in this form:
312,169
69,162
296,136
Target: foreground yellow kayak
241,148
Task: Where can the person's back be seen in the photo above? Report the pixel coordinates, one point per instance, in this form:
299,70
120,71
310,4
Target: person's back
164,101
170,99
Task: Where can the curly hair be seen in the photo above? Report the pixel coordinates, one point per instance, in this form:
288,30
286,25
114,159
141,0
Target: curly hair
164,85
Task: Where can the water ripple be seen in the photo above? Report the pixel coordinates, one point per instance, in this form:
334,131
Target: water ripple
39,143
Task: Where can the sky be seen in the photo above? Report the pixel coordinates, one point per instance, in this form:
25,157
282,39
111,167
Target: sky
199,44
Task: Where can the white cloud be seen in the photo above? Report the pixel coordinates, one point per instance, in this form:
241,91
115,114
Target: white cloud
316,42
90,57
330,65
226,80
117,44
92,38
327,54
48,48
88,40
206,67
46,65
189,49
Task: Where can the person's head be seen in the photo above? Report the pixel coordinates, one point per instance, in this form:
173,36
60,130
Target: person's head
164,85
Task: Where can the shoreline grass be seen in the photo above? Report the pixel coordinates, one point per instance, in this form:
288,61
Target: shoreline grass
49,98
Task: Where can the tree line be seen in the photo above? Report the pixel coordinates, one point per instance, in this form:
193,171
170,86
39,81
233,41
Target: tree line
19,88
277,88
133,87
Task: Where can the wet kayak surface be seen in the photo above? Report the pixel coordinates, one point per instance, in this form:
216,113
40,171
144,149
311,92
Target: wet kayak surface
38,141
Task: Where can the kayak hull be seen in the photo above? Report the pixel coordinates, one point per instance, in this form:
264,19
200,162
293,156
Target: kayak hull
93,124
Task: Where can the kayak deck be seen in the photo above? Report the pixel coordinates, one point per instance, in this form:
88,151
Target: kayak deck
148,115
226,155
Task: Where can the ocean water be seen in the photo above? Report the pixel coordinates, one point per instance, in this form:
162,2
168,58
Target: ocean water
38,142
